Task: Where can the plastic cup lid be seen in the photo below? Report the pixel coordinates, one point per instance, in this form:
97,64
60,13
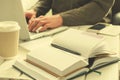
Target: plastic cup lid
9,26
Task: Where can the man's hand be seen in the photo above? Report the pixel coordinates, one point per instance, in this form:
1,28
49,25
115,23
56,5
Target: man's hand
43,23
30,15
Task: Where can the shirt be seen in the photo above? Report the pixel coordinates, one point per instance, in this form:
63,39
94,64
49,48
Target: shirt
77,12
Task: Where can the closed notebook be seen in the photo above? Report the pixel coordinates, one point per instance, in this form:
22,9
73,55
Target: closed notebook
56,61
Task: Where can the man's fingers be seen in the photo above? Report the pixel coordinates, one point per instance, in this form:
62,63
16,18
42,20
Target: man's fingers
45,27
38,29
31,19
34,24
31,25
39,24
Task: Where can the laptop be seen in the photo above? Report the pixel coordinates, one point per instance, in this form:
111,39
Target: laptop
12,10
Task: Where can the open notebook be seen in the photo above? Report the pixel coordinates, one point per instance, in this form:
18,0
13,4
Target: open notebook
12,10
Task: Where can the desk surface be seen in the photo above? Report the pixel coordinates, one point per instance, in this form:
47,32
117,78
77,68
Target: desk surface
7,71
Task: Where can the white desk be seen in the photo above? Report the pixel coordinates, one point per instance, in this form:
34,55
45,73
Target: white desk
108,73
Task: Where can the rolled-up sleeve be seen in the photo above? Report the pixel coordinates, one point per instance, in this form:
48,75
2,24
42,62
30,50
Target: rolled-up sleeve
90,13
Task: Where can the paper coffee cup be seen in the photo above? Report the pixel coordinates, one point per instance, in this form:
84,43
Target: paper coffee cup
9,39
